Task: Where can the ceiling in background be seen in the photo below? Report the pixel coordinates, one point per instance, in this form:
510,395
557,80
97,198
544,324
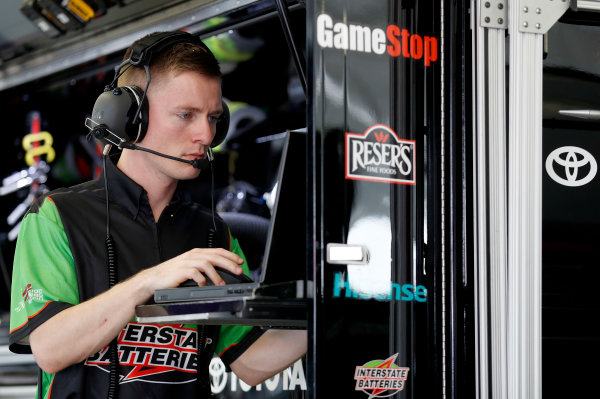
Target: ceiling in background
27,54
14,27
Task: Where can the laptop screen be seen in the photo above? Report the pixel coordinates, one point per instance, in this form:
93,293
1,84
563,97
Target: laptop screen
285,252
284,257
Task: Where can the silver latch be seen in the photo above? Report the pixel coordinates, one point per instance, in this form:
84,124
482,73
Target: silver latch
494,14
538,16
347,254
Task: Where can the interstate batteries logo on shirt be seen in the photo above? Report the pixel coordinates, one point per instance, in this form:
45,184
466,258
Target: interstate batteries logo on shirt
379,155
153,353
381,378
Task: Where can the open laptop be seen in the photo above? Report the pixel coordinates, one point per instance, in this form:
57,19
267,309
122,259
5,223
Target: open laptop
284,258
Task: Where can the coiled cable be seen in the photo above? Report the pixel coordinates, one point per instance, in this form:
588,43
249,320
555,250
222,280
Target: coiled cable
111,256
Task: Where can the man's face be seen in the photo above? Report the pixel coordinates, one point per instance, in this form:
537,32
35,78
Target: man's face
184,109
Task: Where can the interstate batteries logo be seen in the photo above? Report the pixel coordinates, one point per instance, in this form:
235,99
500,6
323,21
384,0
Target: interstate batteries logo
153,353
381,378
379,155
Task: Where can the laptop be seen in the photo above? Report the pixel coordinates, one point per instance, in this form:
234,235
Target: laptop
284,260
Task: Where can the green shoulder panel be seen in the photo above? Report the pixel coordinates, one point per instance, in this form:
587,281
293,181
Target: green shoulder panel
43,269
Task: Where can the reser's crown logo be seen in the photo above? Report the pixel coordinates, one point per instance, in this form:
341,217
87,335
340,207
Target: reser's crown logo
379,155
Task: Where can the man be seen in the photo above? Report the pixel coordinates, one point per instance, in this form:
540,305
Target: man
61,306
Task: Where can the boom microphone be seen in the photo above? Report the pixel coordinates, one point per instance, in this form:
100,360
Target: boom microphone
103,134
196,163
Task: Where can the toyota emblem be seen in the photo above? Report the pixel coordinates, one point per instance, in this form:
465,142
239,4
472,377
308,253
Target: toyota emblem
573,163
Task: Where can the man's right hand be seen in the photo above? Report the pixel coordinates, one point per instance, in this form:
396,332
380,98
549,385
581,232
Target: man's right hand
197,264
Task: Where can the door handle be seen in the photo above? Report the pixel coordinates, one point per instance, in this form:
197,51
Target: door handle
581,113
347,254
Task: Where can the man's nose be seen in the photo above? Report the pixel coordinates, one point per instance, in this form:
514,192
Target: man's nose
204,132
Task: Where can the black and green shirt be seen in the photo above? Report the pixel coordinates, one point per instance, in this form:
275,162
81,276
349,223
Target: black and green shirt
61,261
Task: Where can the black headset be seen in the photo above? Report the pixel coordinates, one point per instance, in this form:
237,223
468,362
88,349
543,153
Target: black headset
121,113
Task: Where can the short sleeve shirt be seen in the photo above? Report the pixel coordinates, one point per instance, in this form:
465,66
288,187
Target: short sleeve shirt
60,261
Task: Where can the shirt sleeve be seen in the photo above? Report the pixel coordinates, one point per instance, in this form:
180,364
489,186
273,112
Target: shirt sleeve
234,340
44,279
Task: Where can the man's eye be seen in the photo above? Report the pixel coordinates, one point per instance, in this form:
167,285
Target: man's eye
213,118
185,115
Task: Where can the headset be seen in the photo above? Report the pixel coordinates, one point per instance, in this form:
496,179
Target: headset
120,114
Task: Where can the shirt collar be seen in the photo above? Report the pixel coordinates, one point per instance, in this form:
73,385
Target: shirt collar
125,192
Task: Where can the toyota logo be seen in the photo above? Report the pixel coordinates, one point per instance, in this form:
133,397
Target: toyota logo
570,160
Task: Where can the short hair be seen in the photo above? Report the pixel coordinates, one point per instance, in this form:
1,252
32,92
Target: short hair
183,56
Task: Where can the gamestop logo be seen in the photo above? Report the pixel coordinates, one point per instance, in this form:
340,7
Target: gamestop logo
393,40
379,155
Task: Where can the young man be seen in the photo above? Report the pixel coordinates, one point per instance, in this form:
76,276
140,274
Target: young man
61,305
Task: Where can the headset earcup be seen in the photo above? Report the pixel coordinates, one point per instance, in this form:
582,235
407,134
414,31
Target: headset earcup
222,127
114,109
140,127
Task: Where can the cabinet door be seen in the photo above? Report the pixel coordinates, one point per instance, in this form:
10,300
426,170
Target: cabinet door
374,77
571,221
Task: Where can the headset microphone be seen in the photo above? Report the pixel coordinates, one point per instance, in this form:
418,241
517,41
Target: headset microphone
103,134
196,163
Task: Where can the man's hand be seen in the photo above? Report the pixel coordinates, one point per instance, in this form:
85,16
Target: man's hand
197,264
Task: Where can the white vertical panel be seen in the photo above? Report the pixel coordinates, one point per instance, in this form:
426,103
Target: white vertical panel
480,202
498,209
524,211
490,200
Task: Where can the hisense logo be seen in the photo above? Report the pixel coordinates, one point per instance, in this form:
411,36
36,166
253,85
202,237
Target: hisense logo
398,292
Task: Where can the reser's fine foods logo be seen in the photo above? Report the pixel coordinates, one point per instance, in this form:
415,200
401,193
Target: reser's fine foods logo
380,155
